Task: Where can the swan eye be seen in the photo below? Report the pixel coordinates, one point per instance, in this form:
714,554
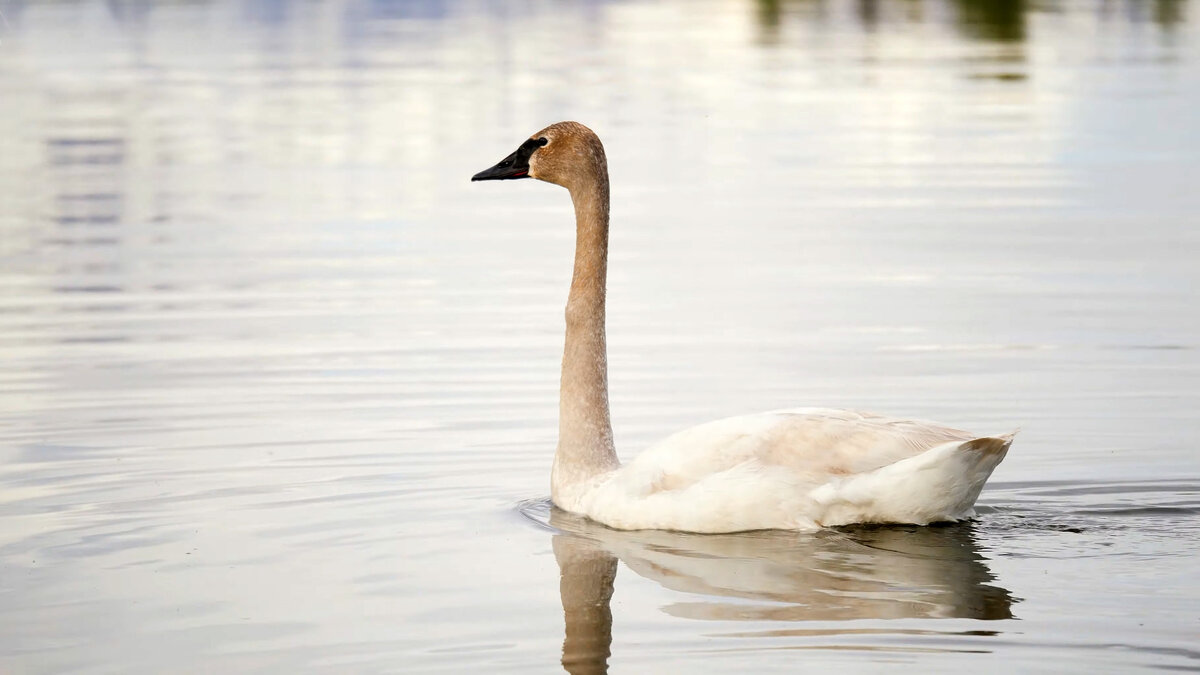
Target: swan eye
543,141
523,153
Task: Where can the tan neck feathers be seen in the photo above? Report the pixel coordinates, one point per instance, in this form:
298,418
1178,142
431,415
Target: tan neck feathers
585,440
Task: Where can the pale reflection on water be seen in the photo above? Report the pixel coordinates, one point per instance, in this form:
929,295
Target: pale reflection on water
835,576
884,572
275,374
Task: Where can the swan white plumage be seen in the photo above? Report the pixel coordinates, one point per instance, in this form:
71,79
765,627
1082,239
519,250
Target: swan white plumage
791,469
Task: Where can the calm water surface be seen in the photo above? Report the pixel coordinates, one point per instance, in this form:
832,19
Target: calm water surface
279,385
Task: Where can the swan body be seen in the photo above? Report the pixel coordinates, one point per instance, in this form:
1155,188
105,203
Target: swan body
798,469
794,470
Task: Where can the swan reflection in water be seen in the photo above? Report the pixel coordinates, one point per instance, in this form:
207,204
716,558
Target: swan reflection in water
894,572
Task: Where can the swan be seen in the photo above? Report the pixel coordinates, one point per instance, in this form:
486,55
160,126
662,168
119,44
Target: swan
797,469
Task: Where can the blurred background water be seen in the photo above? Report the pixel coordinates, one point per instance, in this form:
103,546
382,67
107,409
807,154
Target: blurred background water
279,385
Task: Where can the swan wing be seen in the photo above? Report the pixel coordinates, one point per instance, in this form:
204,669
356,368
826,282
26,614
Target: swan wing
815,444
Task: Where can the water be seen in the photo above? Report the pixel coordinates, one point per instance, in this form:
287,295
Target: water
279,384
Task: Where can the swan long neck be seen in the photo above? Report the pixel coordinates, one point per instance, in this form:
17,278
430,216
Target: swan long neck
585,438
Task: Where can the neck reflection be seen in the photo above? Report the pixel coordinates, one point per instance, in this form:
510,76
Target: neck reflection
586,573
834,575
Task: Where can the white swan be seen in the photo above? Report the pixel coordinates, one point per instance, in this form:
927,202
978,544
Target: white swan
792,469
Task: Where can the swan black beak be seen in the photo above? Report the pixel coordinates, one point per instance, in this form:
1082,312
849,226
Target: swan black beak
513,166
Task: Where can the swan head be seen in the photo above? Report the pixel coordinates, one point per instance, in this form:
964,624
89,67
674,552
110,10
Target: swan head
565,153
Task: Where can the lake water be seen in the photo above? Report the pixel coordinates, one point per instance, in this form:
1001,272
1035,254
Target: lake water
278,388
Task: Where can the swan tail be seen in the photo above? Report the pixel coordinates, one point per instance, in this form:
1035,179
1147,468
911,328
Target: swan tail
938,485
989,446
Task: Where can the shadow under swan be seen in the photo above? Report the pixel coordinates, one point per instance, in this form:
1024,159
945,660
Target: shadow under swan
893,572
